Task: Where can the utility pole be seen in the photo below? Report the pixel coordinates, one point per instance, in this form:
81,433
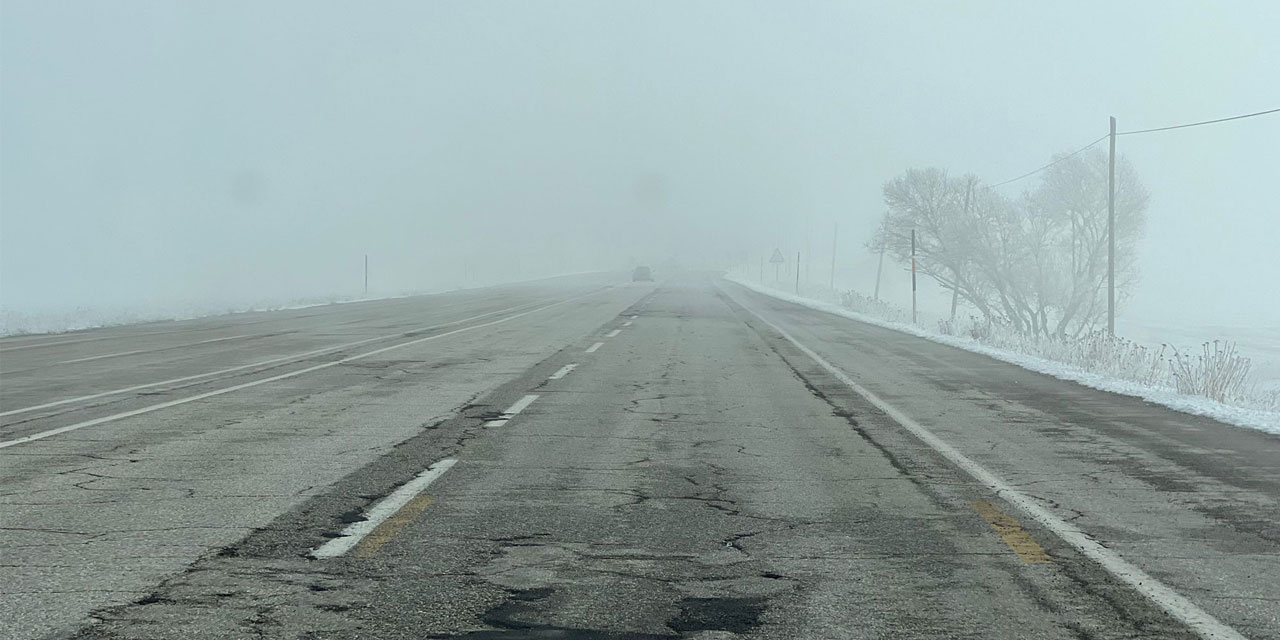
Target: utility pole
1111,234
880,267
955,284
797,273
366,275
808,252
913,276
835,233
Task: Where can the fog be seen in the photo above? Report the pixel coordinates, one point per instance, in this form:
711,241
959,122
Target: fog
161,156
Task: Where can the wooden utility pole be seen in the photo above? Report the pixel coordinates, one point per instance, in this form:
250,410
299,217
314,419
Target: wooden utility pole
913,276
797,273
835,233
880,267
955,284
1111,234
808,253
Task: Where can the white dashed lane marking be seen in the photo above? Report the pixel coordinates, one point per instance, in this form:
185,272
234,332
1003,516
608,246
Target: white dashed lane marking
613,333
564,371
592,348
353,534
520,405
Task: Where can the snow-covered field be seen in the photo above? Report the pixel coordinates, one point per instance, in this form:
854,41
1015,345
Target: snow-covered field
1260,344
24,322
1258,411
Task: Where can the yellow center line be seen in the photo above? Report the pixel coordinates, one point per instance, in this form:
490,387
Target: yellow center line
1009,530
388,530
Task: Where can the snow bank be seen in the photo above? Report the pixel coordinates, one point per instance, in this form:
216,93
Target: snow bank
1248,417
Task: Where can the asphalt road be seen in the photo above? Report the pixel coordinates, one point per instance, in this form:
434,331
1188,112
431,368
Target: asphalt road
595,459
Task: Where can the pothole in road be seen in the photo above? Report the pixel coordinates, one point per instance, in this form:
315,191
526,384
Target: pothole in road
734,615
509,620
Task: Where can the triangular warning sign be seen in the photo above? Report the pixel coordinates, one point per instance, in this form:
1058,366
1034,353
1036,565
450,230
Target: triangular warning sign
777,257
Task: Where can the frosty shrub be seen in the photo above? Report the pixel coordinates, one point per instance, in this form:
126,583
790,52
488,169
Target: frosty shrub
855,301
1219,372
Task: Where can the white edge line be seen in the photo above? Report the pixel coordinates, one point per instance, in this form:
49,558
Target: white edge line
1267,421
33,345
613,333
564,371
387,507
197,376
169,348
217,392
592,348
109,355
282,359
1173,603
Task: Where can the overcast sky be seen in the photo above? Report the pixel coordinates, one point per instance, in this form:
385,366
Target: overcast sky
167,153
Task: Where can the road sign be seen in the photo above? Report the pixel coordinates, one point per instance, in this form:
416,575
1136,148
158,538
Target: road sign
777,257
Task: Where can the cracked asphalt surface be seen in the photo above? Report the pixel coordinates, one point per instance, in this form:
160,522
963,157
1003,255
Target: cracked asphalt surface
697,476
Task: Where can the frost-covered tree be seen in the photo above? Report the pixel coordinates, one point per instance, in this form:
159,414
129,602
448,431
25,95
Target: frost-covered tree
1073,194
1038,262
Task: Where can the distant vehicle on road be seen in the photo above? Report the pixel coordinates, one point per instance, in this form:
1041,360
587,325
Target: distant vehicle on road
642,274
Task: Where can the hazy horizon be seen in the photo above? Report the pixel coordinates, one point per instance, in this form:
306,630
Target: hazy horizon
158,154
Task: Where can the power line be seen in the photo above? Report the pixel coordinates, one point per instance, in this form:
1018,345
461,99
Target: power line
1196,124
1129,133
1066,157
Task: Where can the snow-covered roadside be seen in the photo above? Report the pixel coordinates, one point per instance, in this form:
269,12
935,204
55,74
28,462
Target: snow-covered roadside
1268,421
16,323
